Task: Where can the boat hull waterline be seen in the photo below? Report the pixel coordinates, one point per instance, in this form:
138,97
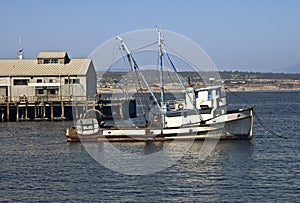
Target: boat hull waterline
236,124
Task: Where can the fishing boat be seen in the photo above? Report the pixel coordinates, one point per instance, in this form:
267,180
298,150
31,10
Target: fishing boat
200,114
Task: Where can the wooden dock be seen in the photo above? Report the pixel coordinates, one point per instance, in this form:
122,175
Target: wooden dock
25,108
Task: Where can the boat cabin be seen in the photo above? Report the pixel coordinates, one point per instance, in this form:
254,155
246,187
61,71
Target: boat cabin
199,105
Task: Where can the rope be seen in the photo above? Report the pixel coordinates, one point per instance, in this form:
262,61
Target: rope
182,85
185,60
146,46
267,127
259,120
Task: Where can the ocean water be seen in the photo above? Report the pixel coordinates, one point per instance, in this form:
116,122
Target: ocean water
38,165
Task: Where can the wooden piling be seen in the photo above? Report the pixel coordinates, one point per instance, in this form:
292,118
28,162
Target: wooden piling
44,109
39,110
62,110
76,110
17,113
51,109
26,112
7,111
35,113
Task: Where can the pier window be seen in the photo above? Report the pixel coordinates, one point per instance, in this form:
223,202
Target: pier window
39,91
46,61
54,61
50,61
72,81
53,91
21,81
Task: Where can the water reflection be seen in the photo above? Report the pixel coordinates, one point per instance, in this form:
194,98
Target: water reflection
137,158
225,154
153,147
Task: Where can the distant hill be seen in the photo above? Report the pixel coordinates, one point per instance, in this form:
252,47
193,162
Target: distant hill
294,69
238,75
235,80
291,69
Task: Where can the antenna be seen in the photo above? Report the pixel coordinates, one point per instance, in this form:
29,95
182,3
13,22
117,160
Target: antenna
20,52
20,42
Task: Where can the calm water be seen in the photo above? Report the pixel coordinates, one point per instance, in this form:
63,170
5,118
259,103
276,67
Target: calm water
38,165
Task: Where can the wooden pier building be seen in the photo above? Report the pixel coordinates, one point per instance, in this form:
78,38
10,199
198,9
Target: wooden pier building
51,87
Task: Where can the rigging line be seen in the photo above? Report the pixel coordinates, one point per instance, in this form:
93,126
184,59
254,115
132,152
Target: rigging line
114,53
134,77
110,68
144,47
158,82
267,127
137,73
135,39
162,98
187,61
182,85
135,67
136,82
147,85
175,70
237,96
157,74
129,63
259,120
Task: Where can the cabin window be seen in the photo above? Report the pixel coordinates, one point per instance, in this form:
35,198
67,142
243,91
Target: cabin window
21,82
209,96
196,94
39,81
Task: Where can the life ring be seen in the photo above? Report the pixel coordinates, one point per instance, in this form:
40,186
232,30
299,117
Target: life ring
180,106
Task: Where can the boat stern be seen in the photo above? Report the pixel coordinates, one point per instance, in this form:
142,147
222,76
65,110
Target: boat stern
242,126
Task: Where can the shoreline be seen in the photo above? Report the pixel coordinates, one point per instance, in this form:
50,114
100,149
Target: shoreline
233,89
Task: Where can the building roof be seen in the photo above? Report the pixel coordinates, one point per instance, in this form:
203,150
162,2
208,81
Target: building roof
52,54
32,68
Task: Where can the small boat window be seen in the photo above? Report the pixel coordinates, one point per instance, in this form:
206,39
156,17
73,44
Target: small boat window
209,96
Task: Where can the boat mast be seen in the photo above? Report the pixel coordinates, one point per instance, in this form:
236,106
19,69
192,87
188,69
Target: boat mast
164,52
162,88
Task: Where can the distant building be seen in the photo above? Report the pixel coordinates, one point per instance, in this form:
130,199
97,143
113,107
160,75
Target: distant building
53,76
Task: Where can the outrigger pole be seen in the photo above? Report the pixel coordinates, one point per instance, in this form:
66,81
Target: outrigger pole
135,67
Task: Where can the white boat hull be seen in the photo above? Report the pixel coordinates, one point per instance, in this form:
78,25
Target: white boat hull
233,125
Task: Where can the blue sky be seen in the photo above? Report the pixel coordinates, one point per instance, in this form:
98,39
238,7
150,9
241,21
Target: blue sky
256,35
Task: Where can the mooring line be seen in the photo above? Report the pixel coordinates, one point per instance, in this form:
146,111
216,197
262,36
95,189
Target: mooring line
259,120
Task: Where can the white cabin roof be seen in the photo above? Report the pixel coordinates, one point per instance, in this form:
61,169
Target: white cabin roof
208,88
